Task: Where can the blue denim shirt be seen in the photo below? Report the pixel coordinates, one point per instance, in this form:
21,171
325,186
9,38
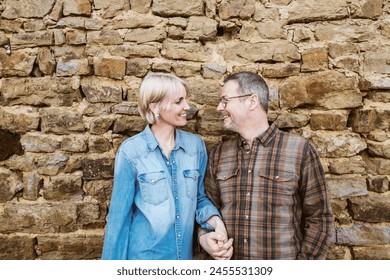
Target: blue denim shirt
155,201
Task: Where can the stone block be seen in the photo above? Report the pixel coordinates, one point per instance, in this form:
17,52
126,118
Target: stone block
91,215
98,144
186,69
280,70
336,49
379,184
73,67
213,71
39,218
339,253
371,209
371,253
95,169
74,143
203,91
63,188
363,235
329,120
343,31
144,35
10,145
32,184
20,63
346,186
110,67
126,108
41,91
31,40
19,119
367,120
100,125
210,122
378,166
38,142
307,11
10,184
315,59
137,67
46,61
104,37
279,51
17,247
75,246
60,121
128,124
77,7
201,28
132,19
27,9
328,89
101,90
379,149
236,9
351,165
292,119
76,37
371,9
51,164
185,8
99,189
140,6
131,51
185,51
337,144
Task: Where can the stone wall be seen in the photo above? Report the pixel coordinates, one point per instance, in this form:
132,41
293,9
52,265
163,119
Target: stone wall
69,76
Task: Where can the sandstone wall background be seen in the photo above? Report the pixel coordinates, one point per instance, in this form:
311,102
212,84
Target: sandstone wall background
69,76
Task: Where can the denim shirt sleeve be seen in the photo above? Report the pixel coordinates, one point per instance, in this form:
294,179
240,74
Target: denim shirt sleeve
205,208
116,237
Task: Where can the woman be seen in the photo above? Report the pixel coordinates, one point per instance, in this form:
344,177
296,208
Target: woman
158,181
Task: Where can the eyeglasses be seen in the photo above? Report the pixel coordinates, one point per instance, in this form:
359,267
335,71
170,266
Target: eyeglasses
224,100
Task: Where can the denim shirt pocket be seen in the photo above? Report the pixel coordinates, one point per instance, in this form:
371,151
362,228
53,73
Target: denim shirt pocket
154,187
191,178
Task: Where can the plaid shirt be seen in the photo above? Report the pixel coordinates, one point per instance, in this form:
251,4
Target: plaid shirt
272,196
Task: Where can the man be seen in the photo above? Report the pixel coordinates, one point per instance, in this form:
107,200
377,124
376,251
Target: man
269,185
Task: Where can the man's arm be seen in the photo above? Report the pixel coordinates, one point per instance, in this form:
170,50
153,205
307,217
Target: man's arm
316,209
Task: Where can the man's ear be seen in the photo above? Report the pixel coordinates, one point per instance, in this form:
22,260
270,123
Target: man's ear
254,101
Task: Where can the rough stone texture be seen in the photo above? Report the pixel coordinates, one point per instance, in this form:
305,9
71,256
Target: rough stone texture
75,246
9,145
70,72
371,209
17,247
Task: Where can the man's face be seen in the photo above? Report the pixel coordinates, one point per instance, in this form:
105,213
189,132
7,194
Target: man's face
232,109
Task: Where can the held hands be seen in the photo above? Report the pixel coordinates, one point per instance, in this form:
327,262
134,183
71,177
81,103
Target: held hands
216,243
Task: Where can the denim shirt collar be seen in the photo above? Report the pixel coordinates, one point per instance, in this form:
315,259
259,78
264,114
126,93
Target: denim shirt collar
180,142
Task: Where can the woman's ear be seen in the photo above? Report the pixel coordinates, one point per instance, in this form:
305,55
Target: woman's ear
154,108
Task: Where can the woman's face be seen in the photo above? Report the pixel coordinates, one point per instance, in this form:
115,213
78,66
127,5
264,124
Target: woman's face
175,109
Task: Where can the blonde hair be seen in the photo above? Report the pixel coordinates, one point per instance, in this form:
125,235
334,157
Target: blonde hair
154,88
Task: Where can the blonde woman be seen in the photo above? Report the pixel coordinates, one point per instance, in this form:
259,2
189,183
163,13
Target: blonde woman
158,188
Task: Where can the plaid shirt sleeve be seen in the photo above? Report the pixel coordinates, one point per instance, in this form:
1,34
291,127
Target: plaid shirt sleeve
316,209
